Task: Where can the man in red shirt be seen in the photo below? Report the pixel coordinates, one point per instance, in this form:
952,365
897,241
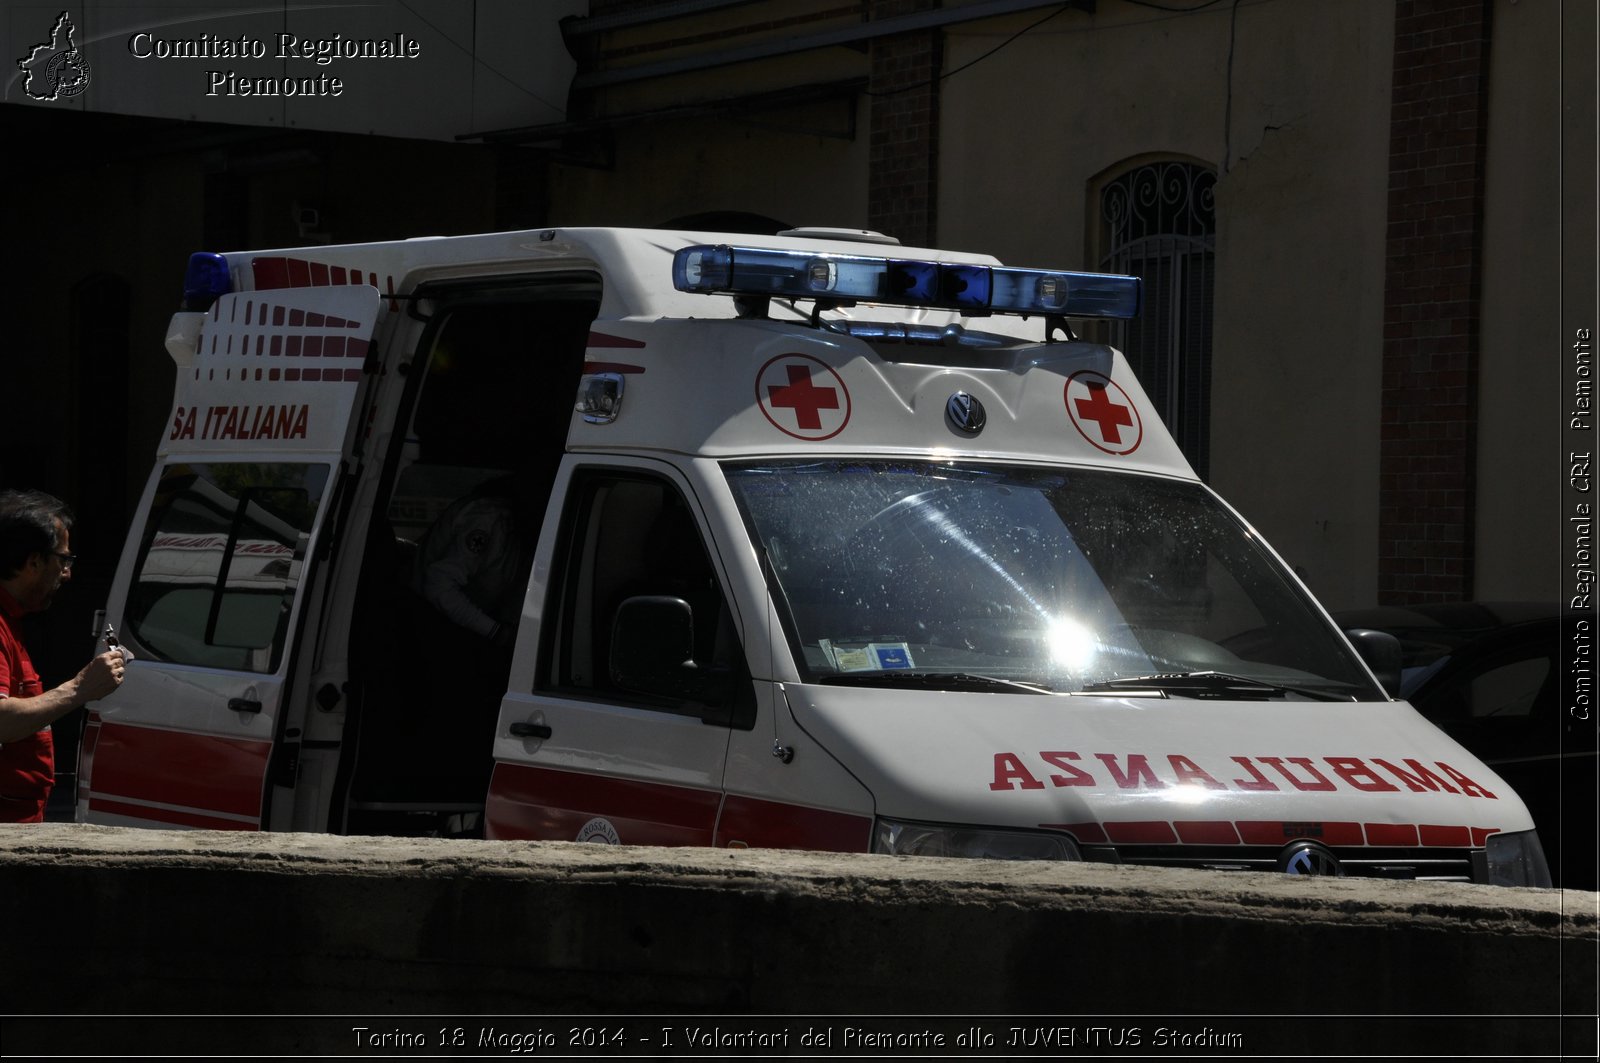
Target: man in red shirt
35,559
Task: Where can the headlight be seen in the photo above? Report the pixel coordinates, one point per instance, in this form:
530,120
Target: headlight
933,839
1517,860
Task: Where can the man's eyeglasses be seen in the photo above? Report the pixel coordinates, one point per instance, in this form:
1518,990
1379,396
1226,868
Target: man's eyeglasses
66,559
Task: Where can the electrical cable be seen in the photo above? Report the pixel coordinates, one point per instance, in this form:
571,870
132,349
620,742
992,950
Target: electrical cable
1029,29
979,59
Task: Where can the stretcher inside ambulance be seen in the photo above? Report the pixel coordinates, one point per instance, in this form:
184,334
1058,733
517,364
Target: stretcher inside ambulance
809,541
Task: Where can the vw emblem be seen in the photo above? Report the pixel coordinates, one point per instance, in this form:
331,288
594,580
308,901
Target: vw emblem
1308,858
966,413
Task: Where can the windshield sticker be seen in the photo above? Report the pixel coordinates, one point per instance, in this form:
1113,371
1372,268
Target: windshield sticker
852,659
892,655
868,657
803,397
1140,771
1103,413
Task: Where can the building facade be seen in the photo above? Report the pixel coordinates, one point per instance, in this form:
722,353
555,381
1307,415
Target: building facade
1355,220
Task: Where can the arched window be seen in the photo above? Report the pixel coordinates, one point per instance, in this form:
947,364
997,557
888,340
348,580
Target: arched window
1157,221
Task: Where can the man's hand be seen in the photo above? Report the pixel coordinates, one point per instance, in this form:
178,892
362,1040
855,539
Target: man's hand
20,717
101,676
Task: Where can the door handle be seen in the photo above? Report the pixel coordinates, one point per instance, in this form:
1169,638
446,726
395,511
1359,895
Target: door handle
531,730
244,704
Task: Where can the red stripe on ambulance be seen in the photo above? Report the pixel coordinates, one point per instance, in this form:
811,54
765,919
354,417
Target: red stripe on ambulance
1273,833
183,771
604,339
1141,832
176,817
1206,832
276,271
776,825
1396,834
528,802
1276,832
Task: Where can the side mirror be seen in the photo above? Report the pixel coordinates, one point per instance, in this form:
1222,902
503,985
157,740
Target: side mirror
652,651
1381,651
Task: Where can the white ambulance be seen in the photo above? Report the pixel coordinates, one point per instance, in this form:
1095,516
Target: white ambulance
808,541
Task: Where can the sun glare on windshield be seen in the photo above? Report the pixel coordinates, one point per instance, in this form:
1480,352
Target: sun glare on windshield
1071,645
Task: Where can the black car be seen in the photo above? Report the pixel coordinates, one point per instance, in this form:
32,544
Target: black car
1499,679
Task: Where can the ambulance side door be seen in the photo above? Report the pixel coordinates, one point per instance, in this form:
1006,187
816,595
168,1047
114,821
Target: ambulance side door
589,746
221,563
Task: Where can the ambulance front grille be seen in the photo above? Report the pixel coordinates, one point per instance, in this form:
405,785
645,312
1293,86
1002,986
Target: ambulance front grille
1430,865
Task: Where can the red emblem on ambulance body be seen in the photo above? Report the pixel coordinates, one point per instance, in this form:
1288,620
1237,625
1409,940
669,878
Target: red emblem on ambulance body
1102,412
803,397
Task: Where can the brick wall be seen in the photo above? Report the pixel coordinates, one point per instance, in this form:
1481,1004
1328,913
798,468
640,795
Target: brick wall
1431,300
902,183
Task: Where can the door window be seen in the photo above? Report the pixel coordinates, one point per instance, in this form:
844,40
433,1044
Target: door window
220,563
628,538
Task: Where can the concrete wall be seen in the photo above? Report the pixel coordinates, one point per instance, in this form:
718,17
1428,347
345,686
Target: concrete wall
206,923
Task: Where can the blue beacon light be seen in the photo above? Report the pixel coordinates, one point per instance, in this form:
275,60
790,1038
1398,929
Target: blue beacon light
840,279
206,278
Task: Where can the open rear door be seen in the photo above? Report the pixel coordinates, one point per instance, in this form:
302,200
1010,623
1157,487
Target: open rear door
216,578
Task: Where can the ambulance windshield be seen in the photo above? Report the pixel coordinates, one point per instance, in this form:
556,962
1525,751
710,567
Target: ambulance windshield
988,577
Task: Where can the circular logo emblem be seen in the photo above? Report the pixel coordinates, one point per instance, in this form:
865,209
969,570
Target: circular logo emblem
1308,858
599,830
803,397
1102,412
966,413
67,74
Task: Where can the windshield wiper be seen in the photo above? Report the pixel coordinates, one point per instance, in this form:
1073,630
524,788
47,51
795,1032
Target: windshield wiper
1215,685
935,681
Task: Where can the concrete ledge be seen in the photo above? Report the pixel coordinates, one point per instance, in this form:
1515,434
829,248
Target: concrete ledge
211,922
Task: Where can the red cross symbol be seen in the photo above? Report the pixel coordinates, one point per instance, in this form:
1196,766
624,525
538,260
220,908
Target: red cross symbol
1110,416
792,382
803,397
1091,396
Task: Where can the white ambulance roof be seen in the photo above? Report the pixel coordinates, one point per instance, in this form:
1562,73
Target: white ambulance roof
636,264
699,380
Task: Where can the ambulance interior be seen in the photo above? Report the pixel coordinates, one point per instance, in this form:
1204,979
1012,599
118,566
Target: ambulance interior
481,429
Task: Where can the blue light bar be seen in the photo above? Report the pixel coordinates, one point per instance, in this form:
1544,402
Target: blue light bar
205,279
708,269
